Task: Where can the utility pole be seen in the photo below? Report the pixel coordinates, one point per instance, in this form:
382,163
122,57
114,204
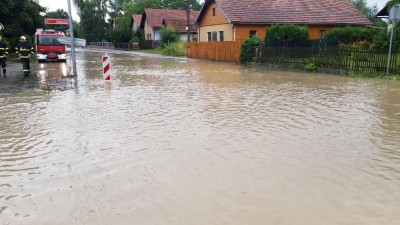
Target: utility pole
71,34
188,20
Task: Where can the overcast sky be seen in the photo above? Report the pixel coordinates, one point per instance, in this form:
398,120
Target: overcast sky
53,5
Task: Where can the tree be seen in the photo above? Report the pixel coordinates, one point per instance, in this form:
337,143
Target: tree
20,17
180,4
168,35
369,12
93,25
361,5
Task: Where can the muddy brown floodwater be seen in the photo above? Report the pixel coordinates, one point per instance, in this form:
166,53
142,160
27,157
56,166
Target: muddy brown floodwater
190,142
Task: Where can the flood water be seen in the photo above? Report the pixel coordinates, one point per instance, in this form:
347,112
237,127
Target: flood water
191,142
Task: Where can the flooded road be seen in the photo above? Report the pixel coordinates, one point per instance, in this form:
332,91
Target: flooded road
187,142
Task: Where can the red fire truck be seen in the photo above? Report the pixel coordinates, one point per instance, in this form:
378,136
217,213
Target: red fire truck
48,48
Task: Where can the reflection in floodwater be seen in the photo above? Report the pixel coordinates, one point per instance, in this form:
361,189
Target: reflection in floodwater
53,75
172,141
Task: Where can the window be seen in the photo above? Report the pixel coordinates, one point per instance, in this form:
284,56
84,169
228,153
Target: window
209,36
214,36
221,36
213,11
321,34
252,33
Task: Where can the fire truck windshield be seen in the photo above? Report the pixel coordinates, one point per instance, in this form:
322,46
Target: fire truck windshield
49,40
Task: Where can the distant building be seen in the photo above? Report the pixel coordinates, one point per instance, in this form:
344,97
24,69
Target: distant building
135,21
153,19
383,13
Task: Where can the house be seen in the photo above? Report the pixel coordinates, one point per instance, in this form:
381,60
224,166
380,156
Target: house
135,21
236,20
180,25
152,19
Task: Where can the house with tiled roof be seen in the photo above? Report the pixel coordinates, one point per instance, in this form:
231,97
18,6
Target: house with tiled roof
236,20
135,21
153,19
180,24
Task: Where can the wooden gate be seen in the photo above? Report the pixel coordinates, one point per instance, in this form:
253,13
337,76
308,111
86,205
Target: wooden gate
226,51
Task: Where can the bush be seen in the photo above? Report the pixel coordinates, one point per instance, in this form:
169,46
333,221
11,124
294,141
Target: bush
168,35
311,67
175,49
286,33
247,46
121,34
350,35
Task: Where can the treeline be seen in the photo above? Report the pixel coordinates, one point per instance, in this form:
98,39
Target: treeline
99,19
110,19
20,17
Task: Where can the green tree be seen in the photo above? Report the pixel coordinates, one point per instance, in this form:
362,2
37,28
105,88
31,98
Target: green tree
92,13
168,35
361,5
20,17
181,4
369,12
121,34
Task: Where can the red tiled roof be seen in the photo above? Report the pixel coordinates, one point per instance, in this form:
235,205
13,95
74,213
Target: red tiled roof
137,18
179,25
324,12
156,16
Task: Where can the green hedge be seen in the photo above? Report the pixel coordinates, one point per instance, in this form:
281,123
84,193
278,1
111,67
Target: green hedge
287,32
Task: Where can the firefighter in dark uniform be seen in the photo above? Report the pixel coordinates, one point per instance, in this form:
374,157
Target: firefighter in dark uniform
3,57
24,50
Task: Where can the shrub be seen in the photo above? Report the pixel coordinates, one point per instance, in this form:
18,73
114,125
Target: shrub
311,67
121,34
358,37
247,46
288,32
168,35
175,49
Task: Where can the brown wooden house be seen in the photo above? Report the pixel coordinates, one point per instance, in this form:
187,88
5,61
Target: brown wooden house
236,20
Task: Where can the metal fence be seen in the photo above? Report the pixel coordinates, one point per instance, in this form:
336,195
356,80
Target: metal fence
125,45
102,44
329,57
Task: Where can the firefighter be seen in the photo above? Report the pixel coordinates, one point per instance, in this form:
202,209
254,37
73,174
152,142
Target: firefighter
24,50
3,57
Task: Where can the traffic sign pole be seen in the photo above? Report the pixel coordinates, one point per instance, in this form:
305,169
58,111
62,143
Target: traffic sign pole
71,33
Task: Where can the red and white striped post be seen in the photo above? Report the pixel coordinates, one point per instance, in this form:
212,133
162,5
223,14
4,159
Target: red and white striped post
106,68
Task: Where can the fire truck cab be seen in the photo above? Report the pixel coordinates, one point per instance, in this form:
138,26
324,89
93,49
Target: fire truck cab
48,48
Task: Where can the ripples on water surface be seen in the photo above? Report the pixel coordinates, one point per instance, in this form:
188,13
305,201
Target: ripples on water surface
197,142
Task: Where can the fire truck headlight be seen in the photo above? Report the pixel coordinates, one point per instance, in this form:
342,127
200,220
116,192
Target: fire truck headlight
41,56
62,56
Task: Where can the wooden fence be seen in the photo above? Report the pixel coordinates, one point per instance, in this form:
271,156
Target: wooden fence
226,51
330,57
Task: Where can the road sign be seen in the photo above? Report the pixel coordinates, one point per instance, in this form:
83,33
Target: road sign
106,68
56,21
77,41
